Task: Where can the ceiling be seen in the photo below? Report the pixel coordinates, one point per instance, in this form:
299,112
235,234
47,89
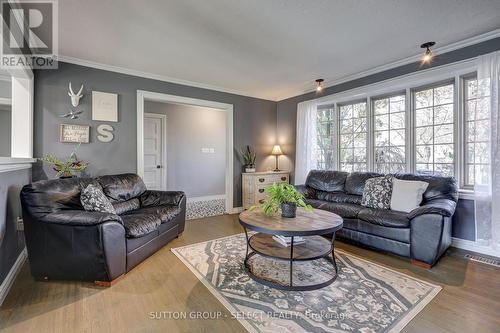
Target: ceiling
271,49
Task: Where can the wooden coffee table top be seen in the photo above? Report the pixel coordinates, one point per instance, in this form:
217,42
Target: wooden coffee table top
318,222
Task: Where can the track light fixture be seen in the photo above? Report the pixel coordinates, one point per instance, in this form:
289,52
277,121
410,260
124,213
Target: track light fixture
319,87
428,55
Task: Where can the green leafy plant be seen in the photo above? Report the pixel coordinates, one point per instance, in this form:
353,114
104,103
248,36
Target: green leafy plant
248,156
65,168
282,193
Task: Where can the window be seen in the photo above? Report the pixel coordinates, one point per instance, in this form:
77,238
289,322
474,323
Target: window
389,125
353,137
325,139
477,129
434,137
440,128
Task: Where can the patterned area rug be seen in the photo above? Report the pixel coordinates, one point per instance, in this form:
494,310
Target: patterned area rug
366,297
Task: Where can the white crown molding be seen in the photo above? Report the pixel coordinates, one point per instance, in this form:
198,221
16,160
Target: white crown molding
11,276
147,75
328,83
437,50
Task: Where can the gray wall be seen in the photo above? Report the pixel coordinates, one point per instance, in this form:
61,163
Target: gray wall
254,119
13,241
5,130
189,129
287,114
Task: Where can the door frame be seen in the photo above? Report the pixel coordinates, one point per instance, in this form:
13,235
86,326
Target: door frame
163,119
143,96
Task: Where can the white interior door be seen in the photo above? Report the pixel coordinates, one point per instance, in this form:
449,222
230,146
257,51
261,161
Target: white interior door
155,151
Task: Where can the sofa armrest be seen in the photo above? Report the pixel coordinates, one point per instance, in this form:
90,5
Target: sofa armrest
80,218
444,207
76,245
308,192
153,198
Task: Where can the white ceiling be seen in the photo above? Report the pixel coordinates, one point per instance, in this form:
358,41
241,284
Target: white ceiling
271,49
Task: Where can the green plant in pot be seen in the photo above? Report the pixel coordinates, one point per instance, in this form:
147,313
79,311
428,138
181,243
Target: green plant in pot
285,197
67,168
249,157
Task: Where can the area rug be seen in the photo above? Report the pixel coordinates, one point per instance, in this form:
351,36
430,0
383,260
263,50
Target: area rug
366,297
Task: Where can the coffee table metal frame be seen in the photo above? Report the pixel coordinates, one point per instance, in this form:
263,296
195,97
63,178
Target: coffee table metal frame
328,255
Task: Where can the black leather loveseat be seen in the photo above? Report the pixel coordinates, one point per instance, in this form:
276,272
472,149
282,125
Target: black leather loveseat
422,235
66,242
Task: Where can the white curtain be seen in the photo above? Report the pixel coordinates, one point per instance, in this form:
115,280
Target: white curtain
487,191
305,151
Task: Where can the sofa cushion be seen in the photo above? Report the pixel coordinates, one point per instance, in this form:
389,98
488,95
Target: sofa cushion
439,187
121,188
377,192
398,234
126,206
345,210
164,212
338,197
48,196
384,217
355,182
328,181
138,224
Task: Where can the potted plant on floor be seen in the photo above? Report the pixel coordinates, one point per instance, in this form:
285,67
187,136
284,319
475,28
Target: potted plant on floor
249,157
68,168
285,197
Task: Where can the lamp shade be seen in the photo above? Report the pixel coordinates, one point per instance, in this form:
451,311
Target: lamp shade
276,150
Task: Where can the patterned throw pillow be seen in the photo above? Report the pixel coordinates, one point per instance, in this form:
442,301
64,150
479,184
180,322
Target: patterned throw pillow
93,199
377,193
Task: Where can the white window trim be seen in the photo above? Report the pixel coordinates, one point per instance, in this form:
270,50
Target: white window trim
21,101
453,72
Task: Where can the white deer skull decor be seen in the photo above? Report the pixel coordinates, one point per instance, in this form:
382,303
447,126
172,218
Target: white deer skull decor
75,98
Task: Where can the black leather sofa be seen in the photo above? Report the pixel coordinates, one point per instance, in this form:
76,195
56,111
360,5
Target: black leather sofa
423,235
65,242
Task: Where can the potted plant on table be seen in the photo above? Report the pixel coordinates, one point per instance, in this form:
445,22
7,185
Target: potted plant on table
249,157
68,168
285,197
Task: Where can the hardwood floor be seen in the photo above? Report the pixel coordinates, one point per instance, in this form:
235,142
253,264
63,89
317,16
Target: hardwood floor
469,301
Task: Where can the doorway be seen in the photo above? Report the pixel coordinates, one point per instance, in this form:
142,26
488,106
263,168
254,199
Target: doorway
148,149
155,151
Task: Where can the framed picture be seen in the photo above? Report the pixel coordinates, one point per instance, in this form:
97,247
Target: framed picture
70,133
104,106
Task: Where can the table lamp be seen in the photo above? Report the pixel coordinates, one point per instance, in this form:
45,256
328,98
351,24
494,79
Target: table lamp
276,152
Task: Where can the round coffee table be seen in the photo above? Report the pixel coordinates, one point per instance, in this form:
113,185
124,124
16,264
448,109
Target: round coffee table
309,225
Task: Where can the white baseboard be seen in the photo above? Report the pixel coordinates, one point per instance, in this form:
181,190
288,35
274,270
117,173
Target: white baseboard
11,277
236,210
206,198
472,246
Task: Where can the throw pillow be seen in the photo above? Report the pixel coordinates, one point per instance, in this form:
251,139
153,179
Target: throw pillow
93,199
377,192
407,194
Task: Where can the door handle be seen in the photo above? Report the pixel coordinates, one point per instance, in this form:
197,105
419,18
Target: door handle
158,166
